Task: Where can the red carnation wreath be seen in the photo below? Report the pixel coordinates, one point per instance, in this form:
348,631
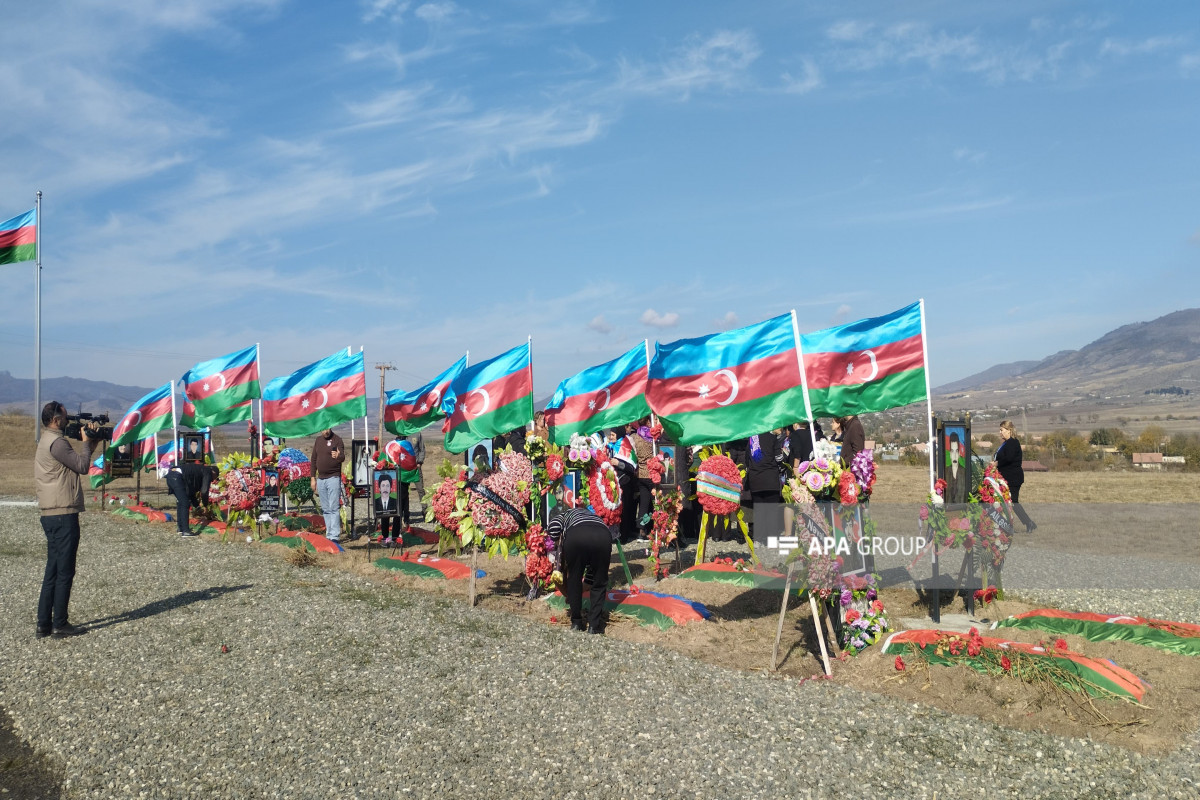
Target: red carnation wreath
719,485
604,492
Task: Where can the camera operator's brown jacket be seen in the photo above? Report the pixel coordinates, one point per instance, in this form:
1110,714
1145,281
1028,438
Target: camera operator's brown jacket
59,489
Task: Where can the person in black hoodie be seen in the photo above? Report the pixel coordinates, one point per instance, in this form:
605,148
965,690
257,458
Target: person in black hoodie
189,482
1008,461
761,458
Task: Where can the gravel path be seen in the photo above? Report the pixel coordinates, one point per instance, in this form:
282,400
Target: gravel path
337,687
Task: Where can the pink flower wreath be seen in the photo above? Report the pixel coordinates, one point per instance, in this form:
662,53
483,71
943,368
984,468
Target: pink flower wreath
719,485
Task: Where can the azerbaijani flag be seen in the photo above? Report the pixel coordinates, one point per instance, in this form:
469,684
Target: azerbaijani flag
18,238
187,418
488,399
316,397
218,386
602,396
153,413
729,385
409,412
96,474
870,365
145,452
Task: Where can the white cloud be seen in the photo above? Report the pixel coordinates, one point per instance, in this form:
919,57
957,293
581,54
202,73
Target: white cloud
1125,47
1189,63
841,314
730,320
436,12
655,320
600,325
809,78
392,9
719,62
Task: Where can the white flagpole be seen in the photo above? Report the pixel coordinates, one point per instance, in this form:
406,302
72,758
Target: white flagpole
928,394
812,428
174,426
37,321
258,367
530,341
653,416
366,413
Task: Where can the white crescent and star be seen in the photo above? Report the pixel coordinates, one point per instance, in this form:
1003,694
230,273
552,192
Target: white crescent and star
324,397
487,400
607,399
733,387
131,421
220,375
870,354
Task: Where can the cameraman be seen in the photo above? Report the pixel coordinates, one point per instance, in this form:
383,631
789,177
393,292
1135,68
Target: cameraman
189,482
56,470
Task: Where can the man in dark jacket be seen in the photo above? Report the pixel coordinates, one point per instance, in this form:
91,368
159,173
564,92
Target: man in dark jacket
189,482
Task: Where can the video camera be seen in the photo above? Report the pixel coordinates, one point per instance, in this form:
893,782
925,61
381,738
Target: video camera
97,427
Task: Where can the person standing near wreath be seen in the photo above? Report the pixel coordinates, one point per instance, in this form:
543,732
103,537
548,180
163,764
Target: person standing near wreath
584,543
328,454
56,470
1008,460
189,482
854,438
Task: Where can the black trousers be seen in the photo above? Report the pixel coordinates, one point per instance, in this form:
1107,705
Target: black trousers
183,501
586,547
395,525
1015,490
645,488
629,506
62,545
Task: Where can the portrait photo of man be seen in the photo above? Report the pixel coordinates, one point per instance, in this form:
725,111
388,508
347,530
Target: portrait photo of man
384,494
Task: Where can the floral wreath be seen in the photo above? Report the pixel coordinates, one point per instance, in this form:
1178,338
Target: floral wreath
719,485
604,491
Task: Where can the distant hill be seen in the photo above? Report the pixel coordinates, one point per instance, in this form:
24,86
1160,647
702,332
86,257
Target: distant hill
93,396
1126,362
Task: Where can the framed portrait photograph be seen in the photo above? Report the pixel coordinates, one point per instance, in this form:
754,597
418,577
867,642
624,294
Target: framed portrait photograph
384,497
669,451
479,454
192,447
569,490
954,459
122,461
360,457
269,502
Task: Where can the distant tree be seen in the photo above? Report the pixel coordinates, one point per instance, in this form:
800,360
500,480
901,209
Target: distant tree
1151,439
1106,437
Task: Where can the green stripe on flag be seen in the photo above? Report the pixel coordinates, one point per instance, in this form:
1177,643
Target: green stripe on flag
1095,631
223,417
319,420
21,252
147,427
643,614
504,419
632,409
894,391
406,427
410,567
726,423
225,399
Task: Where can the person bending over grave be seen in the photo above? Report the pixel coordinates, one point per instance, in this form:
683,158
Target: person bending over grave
189,482
584,545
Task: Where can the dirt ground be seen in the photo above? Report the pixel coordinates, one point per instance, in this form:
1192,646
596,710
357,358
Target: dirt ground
741,631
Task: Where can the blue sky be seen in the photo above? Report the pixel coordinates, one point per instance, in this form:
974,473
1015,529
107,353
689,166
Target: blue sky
427,178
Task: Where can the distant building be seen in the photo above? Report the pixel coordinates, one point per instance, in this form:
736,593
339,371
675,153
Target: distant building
1147,460
1174,460
1034,466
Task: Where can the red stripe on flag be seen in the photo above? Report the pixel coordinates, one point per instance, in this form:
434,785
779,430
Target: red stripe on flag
575,408
140,415
301,405
489,397
849,369
20,236
408,411
219,381
710,390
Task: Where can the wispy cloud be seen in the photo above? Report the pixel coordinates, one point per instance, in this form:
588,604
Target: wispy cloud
720,61
968,155
808,79
1128,47
600,325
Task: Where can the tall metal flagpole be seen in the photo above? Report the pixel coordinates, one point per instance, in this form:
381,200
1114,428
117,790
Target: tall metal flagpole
812,428
530,341
258,368
928,394
174,428
37,321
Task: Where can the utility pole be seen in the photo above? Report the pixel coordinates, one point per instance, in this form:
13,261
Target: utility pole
383,368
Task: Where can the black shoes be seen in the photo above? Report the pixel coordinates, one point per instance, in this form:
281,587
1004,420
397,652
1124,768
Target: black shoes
68,630
1031,527
42,633
188,534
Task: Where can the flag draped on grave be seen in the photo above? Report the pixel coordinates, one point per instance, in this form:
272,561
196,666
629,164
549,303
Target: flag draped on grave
319,396
727,385
409,412
602,396
488,399
870,365
220,389
18,238
153,413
